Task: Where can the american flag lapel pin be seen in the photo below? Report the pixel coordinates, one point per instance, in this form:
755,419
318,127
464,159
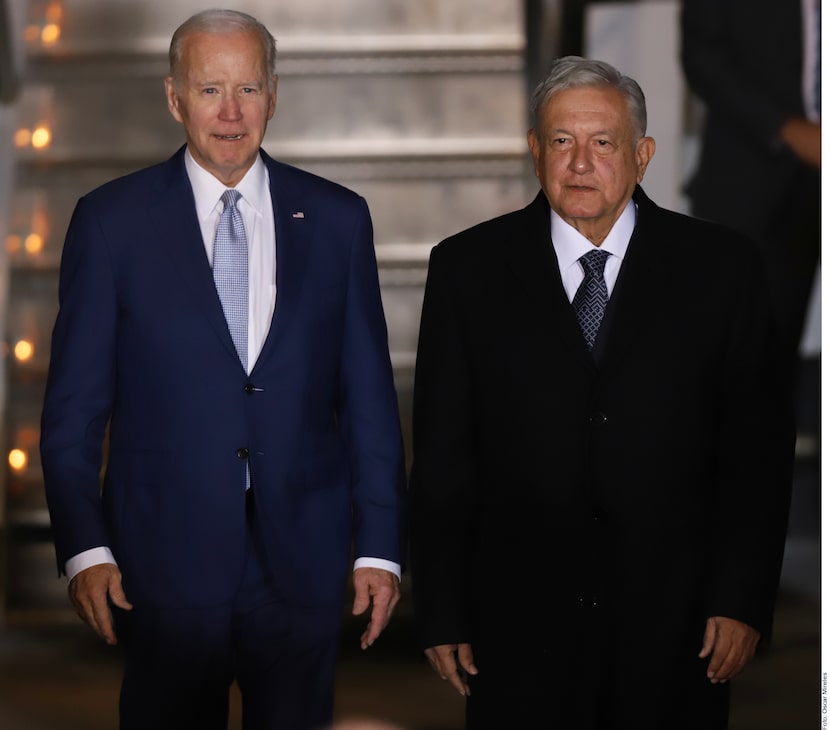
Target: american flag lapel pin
298,214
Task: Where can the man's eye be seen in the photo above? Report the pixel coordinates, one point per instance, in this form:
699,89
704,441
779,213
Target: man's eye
209,91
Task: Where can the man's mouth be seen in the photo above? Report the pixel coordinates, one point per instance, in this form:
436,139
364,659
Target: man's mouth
229,136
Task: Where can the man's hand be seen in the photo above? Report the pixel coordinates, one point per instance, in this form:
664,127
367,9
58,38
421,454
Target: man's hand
89,591
448,659
731,644
381,589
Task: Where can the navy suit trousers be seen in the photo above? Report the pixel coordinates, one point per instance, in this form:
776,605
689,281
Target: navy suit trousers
181,662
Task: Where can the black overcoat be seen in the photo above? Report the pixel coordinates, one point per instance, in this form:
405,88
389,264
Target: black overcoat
577,516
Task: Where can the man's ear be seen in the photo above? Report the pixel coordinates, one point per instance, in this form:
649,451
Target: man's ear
172,98
533,144
273,106
644,152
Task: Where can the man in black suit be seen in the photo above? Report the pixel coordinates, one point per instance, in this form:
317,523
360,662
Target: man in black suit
597,529
754,64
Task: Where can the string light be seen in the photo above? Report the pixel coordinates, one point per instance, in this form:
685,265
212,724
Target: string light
18,459
24,350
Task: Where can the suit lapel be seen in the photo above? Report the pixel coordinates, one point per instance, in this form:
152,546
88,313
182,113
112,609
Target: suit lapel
533,260
294,225
174,215
644,279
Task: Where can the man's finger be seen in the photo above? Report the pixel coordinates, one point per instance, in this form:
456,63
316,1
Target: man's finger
381,589
709,635
91,591
465,659
443,661
734,647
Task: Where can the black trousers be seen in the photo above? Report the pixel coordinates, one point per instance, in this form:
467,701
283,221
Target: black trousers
578,679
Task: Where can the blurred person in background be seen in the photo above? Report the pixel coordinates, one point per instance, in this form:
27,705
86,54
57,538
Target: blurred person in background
756,66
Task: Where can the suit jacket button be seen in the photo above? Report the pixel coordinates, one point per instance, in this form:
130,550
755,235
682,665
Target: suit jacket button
249,388
242,453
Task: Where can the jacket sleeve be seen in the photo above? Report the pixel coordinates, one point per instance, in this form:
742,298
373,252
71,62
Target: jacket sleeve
443,473
79,389
369,417
756,439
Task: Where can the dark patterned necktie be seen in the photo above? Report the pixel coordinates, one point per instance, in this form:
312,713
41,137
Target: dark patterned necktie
592,295
230,272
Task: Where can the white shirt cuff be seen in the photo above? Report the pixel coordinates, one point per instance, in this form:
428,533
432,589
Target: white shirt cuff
378,563
86,559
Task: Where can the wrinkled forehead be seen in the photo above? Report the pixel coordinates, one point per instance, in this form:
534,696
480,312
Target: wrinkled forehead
223,49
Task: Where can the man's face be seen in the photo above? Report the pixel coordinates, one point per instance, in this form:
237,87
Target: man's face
224,98
586,158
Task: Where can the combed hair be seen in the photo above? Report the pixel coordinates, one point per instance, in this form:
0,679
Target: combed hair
222,21
570,72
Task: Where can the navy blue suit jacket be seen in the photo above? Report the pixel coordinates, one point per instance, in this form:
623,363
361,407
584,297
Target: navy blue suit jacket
141,349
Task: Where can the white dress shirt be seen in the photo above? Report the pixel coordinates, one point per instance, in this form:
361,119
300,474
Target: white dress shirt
569,244
258,217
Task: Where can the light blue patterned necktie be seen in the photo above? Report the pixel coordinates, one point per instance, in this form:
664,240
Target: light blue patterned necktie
592,295
230,272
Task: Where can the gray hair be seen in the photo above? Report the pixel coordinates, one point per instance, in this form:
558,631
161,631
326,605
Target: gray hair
571,72
222,21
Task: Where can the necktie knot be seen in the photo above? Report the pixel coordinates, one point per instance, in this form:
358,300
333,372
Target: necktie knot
593,262
230,198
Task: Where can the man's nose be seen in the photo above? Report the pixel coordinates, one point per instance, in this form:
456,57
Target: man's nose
230,108
581,161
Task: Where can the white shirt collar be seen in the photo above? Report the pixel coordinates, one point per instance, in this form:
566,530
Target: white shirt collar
570,244
207,189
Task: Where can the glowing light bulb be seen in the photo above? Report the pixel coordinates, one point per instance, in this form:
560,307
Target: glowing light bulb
24,350
13,243
18,459
50,34
33,244
22,138
54,12
41,138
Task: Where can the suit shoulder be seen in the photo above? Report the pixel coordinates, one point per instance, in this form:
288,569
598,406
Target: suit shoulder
126,187
303,180
485,236
706,240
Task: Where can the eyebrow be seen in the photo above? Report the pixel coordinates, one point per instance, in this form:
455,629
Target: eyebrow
208,82
599,132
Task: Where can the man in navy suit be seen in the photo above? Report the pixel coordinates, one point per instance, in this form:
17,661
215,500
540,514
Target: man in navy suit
219,546
597,521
